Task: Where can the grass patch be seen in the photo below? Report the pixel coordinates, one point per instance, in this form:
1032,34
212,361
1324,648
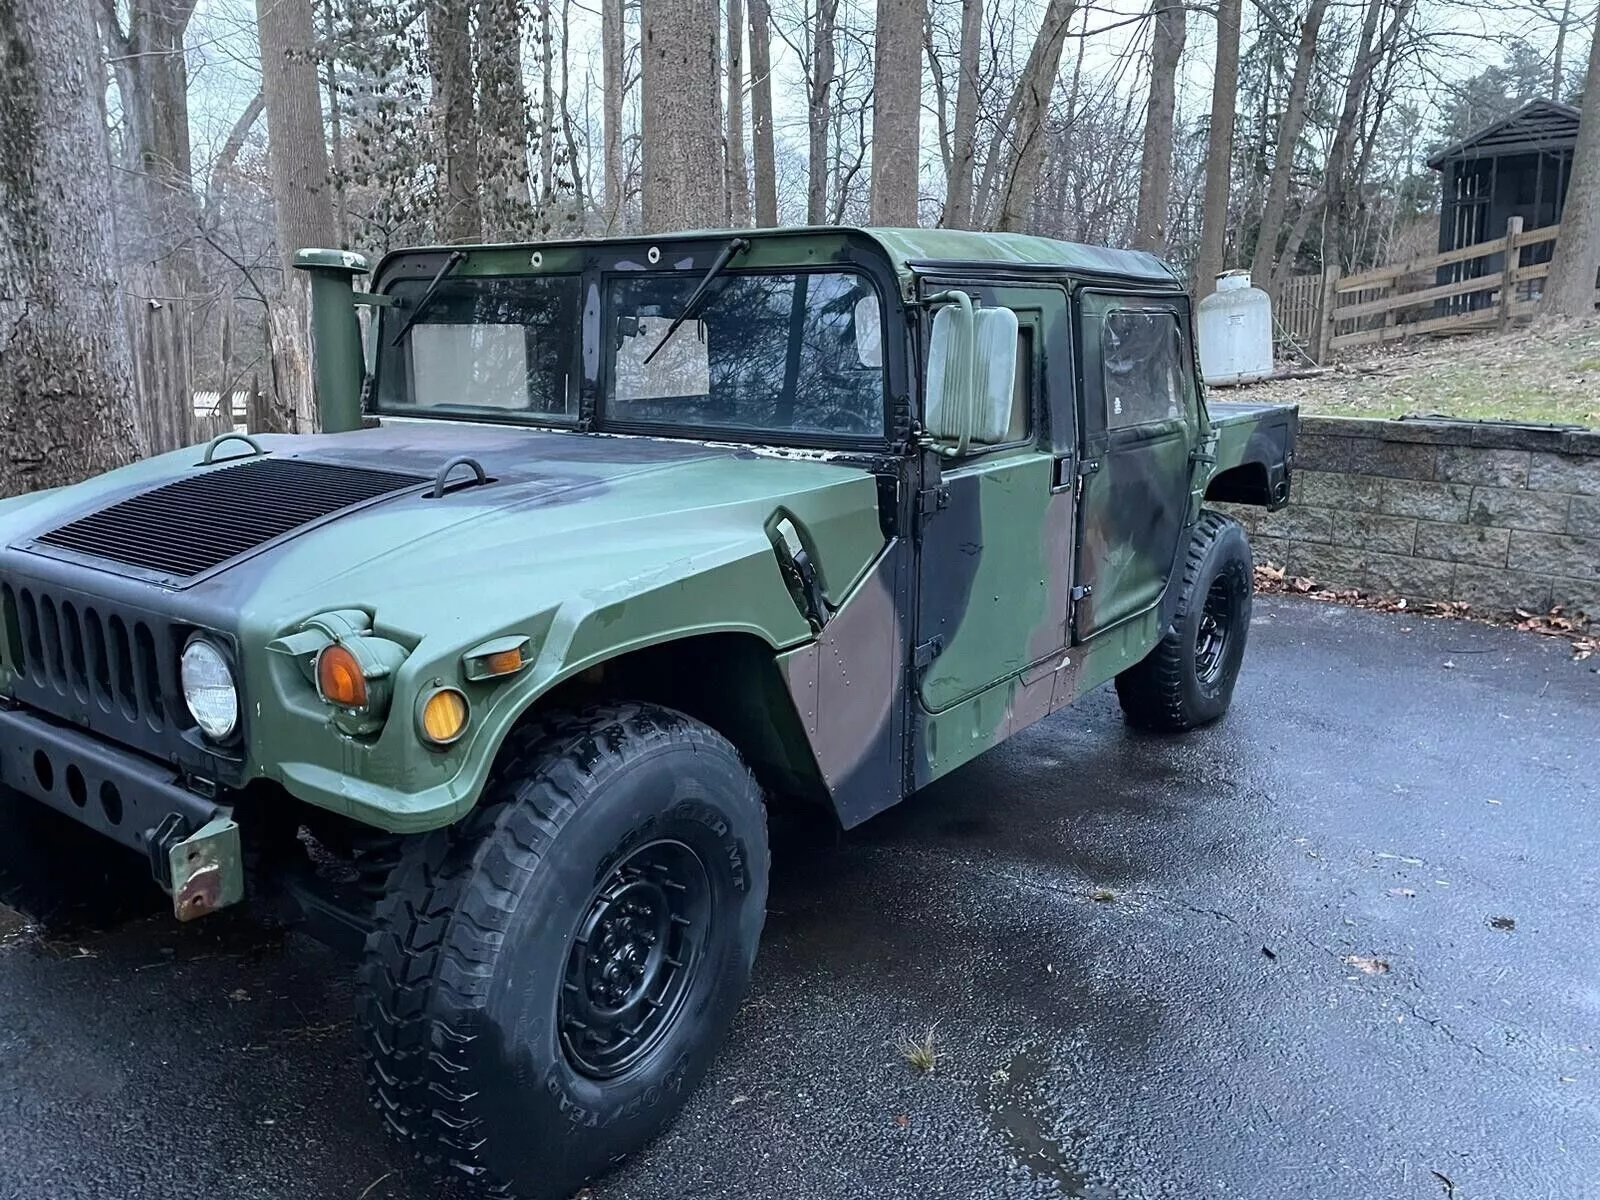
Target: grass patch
1543,375
921,1053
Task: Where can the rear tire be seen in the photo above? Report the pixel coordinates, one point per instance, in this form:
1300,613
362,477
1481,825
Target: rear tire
1187,680
549,978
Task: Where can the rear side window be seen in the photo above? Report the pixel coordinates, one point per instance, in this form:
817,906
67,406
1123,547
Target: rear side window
1141,355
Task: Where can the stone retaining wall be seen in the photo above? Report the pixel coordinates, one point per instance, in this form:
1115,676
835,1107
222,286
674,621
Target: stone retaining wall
1499,516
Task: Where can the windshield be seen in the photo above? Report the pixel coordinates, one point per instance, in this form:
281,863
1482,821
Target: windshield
795,353
502,348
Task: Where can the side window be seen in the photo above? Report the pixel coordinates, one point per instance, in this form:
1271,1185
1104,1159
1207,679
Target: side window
1022,395
1141,355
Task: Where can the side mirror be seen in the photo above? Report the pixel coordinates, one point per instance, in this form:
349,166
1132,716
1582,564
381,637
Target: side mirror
972,367
339,361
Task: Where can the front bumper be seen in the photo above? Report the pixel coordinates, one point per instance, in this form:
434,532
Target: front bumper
191,842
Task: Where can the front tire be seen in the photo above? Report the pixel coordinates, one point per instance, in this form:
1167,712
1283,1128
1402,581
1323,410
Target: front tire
550,977
1187,680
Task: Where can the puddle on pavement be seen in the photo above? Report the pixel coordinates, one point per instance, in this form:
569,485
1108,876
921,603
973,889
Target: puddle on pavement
1015,1105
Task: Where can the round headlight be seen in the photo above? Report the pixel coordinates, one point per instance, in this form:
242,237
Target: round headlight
208,690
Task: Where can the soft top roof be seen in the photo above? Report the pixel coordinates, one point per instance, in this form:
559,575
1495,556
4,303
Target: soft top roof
918,248
910,251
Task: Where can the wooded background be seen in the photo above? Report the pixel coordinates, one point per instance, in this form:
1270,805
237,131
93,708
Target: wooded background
160,159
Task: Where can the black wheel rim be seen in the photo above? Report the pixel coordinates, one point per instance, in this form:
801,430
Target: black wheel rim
1216,630
634,958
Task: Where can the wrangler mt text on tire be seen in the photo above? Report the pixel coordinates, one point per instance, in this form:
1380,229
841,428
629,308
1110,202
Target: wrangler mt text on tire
550,977
1187,679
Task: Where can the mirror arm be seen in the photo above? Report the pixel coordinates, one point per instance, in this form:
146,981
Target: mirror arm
965,362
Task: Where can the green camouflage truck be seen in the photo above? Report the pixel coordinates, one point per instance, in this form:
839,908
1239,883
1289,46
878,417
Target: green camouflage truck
605,548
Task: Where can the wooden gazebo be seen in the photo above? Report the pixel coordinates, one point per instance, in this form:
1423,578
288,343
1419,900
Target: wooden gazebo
1516,167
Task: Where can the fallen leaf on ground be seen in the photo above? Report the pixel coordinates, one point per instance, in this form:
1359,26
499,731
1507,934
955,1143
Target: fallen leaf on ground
1372,966
1503,923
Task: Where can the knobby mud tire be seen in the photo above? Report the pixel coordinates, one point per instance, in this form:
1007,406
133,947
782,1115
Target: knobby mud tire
1167,691
458,992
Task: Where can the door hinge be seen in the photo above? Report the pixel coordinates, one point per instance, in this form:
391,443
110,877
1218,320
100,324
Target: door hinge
1082,590
927,651
1088,466
929,502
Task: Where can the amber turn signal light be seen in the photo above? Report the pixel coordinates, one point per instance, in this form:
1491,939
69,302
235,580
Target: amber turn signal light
506,662
444,716
340,678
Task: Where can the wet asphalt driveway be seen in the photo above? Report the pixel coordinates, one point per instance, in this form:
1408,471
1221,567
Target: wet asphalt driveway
1341,945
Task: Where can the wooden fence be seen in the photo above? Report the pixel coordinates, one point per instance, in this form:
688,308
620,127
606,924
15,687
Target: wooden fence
1405,299
1298,314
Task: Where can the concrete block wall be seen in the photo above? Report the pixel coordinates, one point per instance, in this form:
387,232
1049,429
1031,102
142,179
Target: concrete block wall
1499,516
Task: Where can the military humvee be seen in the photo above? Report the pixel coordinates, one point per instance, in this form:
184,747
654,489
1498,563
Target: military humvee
605,547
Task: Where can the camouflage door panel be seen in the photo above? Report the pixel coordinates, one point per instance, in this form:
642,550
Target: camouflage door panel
1140,425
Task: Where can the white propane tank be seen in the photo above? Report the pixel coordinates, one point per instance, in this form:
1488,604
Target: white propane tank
1235,331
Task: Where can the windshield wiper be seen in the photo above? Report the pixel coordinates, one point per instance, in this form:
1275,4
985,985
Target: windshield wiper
456,258
737,246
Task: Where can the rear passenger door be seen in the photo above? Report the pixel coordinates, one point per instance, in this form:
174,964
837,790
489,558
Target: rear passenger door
1139,428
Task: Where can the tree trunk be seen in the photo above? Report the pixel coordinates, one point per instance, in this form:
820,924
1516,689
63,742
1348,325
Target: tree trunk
964,150
1026,114
301,195
1219,151
763,150
1569,290
819,113
611,69
1168,31
152,80
682,115
66,392
460,215
897,112
738,171
502,119
547,102
341,169
1344,136
296,144
1559,67
1294,123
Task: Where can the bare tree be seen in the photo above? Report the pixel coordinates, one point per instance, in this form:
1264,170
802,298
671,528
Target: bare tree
896,111
301,194
819,107
66,394
547,97
1219,151
151,73
1011,170
612,66
682,114
460,215
1289,131
502,122
964,145
737,170
764,151
1569,290
1168,30
1558,68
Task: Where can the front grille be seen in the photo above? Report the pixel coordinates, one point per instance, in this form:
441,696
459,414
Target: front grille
186,527
81,659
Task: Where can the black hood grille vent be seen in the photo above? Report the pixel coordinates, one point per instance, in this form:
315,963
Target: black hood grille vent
185,528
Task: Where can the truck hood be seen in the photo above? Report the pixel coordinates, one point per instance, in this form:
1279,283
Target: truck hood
565,516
